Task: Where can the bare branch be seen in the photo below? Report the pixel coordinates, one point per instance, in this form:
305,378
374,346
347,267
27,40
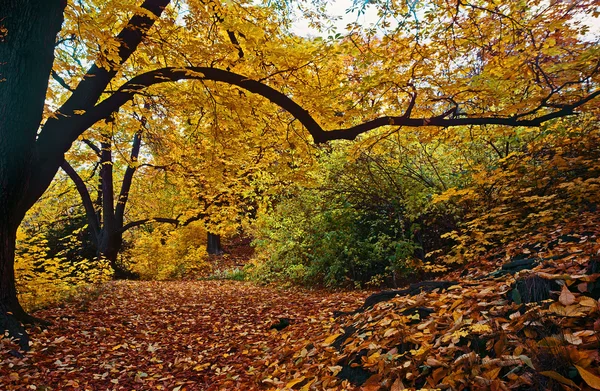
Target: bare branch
137,223
140,82
85,199
93,146
61,81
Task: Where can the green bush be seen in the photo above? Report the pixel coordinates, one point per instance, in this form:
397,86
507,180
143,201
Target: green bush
357,223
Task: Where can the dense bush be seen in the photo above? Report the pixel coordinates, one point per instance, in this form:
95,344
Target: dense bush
551,179
55,260
361,221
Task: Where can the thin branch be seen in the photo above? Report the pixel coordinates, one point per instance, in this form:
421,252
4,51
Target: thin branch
93,146
176,222
85,199
137,223
61,81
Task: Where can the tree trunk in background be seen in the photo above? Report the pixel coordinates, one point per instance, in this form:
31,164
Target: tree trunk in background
213,244
109,247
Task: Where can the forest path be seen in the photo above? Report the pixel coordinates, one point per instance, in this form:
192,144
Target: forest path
175,336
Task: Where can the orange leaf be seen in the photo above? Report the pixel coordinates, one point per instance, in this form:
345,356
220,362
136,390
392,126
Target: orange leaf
372,384
292,383
591,379
397,386
560,378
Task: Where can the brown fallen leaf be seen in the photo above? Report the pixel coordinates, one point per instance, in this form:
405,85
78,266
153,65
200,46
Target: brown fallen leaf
566,297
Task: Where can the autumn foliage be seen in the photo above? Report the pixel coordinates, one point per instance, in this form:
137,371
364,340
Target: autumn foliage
450,151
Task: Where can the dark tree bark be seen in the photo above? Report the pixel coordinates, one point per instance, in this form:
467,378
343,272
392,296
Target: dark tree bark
106,223
26,58
213,244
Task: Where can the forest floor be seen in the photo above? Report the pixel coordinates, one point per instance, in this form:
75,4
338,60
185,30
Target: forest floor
526,317
202,335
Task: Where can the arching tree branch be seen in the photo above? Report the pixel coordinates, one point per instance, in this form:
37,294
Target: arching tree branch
140,82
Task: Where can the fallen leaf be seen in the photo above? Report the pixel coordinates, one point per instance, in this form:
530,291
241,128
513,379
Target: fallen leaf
397,386
591,379
292,383
566,297
560,378
571,310
329,340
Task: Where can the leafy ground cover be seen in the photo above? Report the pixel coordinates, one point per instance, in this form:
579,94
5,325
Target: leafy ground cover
525,318
204,335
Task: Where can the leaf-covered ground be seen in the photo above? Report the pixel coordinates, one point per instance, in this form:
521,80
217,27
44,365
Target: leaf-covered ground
495,327
205,335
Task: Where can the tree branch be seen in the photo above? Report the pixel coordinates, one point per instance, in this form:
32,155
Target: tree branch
61,81
93,146
128,177
85,199
140,82
97,78
137,223
53,141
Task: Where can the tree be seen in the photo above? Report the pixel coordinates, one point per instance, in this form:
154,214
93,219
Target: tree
106,216
440,87
106,223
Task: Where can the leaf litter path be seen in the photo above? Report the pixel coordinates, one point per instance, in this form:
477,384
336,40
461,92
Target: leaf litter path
205,335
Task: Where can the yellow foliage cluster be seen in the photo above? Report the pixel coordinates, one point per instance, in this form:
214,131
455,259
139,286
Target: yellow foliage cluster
42,279
164,254
552,179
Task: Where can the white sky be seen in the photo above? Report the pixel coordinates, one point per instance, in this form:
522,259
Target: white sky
338,8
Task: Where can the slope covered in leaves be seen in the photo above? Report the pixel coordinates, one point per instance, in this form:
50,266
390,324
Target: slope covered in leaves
496,327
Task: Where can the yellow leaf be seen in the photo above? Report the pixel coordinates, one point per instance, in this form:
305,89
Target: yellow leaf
558,377
566,297
293,382
591,379
587,301
335,369
571,310
306,387
329,340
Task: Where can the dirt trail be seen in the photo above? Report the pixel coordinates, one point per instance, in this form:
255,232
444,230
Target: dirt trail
175,336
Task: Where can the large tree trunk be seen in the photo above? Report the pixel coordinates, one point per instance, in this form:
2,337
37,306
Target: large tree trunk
11,312
26,56
109,247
